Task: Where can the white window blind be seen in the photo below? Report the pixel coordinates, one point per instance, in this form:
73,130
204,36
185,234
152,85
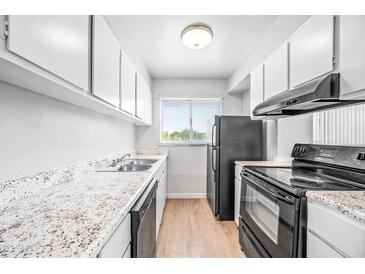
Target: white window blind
343,126
186,120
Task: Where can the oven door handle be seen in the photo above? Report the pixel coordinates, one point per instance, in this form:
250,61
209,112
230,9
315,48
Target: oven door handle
274,193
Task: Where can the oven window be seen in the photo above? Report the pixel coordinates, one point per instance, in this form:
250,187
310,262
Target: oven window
264,212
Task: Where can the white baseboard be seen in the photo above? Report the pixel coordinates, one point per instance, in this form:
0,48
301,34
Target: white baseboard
186,195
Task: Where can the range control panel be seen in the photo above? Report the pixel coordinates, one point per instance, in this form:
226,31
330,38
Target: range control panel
361,156
299,151
348,156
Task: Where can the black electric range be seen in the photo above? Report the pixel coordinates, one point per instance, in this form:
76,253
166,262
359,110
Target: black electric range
273,208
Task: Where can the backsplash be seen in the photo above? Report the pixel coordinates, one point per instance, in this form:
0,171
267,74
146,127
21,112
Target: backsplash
342,126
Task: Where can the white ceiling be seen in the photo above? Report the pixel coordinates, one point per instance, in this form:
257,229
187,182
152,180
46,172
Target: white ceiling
157,41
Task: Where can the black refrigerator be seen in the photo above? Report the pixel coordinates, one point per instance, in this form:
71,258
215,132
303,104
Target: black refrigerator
232,138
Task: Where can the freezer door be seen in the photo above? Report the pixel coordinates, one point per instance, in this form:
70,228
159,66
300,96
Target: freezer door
216,131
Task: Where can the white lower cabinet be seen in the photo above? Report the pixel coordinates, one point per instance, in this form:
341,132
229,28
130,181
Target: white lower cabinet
338,233
119,243
237,192
127,253
317,248
161,199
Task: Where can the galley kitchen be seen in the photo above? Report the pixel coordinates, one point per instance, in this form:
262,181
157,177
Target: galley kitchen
182,136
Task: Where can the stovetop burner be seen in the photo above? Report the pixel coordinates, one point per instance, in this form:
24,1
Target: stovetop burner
298,181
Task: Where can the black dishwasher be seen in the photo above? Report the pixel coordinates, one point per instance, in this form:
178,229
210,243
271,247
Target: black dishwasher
143,216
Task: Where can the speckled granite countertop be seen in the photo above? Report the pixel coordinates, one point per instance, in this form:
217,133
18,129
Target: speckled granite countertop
350,203
69,212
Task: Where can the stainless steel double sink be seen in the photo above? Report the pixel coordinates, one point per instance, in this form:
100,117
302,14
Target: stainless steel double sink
130,165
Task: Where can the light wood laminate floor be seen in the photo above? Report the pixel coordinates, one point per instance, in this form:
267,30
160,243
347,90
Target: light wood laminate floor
189,230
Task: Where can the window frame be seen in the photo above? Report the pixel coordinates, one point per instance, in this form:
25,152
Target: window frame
190,100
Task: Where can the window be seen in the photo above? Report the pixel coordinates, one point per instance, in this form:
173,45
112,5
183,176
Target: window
341,126
185,121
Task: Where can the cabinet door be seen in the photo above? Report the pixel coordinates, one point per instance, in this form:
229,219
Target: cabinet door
141,94
276,72
256,87
144,100
316,248
312,50
119,241
148,107
128,85
59,44
352,53
158,207
164,190
127,254
237,197
106,66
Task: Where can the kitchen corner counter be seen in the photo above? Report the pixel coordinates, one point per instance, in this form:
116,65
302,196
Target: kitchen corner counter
349,203
71,212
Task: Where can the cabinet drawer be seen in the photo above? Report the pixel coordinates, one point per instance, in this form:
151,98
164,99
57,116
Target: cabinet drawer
119,241
342,232
237,171
316,248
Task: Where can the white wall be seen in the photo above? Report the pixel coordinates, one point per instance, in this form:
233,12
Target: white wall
39,133
186,164
246,108
281,135
296,129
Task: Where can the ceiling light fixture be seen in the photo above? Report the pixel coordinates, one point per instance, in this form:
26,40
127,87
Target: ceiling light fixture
197,36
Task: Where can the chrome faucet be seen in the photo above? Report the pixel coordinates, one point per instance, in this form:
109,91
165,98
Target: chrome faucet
124,156
115,162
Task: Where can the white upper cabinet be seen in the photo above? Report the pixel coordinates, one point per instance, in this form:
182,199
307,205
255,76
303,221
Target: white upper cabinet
59,44
312,50
256,87
144,100
141,92
148,107
352,54
128,84
106,66
276,72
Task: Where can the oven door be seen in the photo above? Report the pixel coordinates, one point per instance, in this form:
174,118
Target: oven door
271,215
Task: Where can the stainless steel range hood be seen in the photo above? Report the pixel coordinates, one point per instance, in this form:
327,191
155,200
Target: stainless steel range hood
319,94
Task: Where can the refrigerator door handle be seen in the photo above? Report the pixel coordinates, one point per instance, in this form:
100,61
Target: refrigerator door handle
214,162
213,137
